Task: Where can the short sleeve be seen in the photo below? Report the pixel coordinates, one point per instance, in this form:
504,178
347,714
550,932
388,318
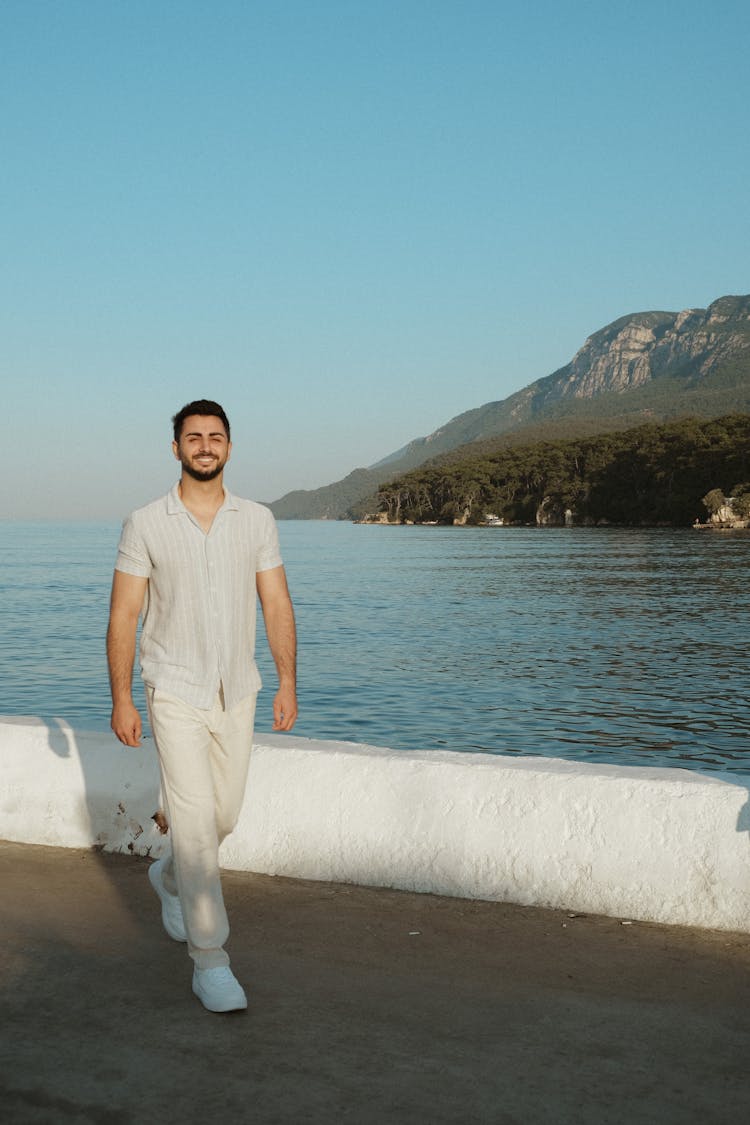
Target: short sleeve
269,552
132,555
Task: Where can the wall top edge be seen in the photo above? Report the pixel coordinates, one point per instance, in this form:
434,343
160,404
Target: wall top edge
513,764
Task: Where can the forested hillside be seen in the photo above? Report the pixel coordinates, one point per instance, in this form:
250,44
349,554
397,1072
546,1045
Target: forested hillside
651,474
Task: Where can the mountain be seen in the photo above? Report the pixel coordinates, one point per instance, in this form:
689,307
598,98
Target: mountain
644,367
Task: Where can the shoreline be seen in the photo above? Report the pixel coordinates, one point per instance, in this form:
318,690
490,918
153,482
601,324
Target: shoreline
739,525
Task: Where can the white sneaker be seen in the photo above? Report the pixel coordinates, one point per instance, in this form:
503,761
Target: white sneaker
219,990
171,910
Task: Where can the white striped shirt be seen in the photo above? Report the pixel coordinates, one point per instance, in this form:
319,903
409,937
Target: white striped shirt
199,614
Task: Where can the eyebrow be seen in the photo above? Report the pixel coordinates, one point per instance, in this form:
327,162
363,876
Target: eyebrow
213,433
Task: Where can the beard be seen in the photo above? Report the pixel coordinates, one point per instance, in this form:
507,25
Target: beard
202,474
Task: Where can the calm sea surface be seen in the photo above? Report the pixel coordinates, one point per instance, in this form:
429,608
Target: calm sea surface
594,644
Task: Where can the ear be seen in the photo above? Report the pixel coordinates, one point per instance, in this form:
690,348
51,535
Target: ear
176,450
229,450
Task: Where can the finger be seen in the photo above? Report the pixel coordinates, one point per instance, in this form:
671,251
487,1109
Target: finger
130,736
288,720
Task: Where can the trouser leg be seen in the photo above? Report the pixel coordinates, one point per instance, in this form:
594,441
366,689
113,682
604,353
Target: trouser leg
231,743
203,757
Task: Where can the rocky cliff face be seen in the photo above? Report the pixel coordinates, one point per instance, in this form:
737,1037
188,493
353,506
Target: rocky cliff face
626,355
639,348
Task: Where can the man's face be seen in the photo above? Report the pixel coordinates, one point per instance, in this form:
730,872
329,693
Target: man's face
203,449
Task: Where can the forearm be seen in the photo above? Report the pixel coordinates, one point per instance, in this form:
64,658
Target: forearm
126,721
282,640
278,615
128,592
120,659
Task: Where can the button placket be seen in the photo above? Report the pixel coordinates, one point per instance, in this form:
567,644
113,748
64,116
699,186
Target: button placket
213,606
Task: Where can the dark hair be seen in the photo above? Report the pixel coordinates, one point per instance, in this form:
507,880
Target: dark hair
202,406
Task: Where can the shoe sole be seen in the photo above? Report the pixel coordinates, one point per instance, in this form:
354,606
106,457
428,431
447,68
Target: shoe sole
153,880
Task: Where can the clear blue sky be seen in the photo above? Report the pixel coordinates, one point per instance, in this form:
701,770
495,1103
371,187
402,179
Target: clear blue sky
347,221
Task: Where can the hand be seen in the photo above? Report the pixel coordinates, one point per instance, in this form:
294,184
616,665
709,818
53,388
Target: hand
284,709
126,723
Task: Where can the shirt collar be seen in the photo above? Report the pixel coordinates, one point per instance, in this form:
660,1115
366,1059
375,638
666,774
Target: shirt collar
175,505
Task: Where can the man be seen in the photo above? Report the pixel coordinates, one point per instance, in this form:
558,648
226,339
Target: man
192,563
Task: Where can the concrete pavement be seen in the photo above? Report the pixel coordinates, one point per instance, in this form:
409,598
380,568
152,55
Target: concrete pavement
366,1007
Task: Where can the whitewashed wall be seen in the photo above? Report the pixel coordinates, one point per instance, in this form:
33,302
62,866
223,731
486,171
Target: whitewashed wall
665,845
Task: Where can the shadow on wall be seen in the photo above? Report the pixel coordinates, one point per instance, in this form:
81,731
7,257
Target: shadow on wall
743,820
71,788
113,789
743,816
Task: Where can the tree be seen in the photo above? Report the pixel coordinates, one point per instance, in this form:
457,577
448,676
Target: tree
741,500
714,501
651,474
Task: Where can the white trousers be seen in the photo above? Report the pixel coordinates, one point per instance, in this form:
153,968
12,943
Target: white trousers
203,759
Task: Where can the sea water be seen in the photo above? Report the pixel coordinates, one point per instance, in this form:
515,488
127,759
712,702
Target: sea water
598,644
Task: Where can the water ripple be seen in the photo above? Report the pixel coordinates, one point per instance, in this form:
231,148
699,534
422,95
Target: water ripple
593,644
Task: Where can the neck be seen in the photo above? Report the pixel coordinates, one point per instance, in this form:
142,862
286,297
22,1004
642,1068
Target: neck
202,493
